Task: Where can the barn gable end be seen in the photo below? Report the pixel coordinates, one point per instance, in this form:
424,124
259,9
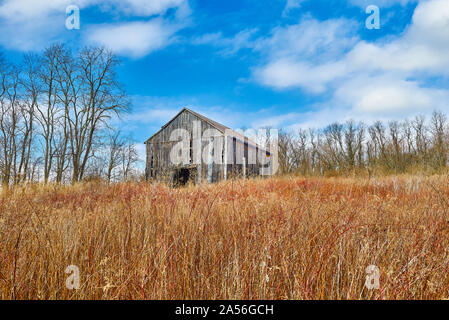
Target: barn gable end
158,147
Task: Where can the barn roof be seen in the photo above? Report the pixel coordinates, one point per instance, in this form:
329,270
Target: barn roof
214,124
220,127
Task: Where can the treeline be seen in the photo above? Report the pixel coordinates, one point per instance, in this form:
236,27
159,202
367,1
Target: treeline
409,146
56,115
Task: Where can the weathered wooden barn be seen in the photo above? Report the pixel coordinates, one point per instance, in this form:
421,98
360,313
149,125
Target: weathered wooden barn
192,147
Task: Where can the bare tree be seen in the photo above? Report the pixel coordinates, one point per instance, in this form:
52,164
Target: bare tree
101,97
32,88
438,126
421,139
68,90
58,104
286,148
115,146
48,112
129,158
396,146
10,122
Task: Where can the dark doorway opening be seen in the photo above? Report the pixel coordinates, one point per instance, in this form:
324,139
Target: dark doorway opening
182,176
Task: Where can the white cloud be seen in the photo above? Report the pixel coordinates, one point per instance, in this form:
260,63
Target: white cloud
424,47
291,5
144,8
21,10
284,74
305,55
153,115
365,78
296,4
28,24
153,112
309,39
388,94
293,52
229,46
142,154
135,39
381,3
33,24
275,121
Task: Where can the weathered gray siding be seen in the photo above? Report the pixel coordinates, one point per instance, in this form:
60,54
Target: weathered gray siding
158,147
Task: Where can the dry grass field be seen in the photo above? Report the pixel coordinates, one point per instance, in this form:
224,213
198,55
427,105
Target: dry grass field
280,238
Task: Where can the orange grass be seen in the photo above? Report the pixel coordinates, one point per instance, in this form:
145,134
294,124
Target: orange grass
280,238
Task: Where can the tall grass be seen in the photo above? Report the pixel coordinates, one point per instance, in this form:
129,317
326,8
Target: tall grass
281,238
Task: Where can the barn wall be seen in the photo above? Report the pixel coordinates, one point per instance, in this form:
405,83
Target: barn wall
159,146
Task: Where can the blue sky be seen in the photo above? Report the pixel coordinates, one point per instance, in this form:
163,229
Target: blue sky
248,63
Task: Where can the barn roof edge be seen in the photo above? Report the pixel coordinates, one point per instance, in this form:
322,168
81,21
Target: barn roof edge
216,125
222,128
